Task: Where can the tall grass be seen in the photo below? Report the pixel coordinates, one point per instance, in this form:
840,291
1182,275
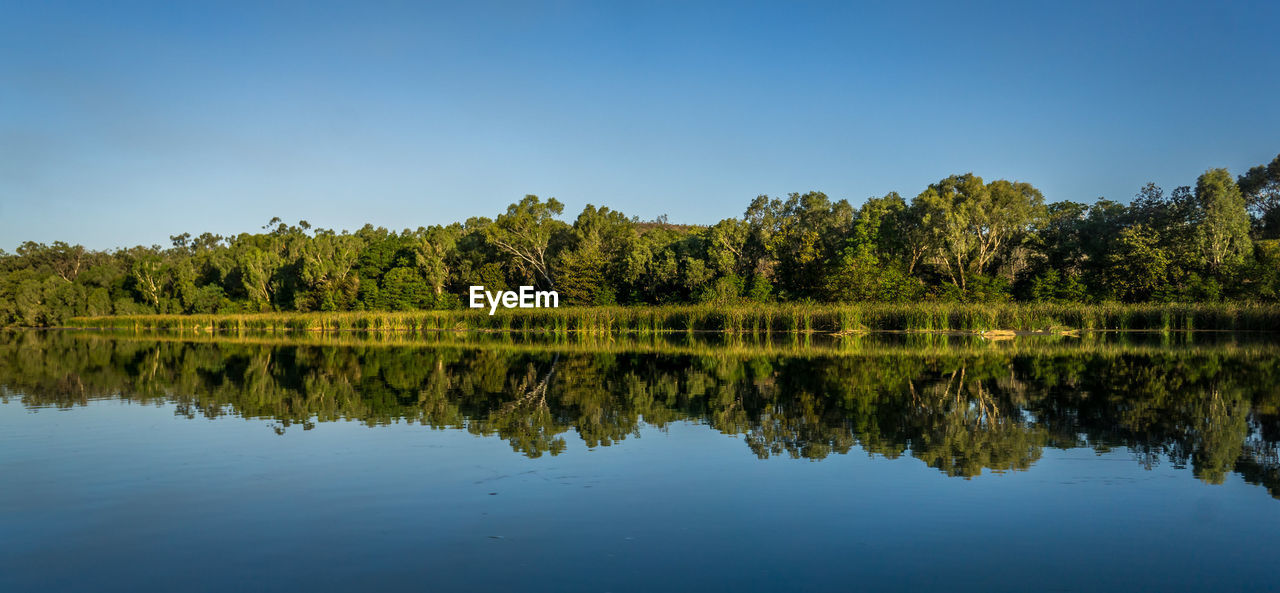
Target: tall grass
774,318
741,344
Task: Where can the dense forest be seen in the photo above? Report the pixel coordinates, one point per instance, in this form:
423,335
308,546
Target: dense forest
962,239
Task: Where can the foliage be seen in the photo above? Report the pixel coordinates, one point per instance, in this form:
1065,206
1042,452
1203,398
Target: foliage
1222,228
1261,188
961,240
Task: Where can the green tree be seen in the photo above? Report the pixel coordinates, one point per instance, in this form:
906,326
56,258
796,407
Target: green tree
256,269
1261,189
435,245
151,277
591,267
1222,229
404,289
1138,268
327,272
525,235
869,268
726,241
974,226
790,242
724,290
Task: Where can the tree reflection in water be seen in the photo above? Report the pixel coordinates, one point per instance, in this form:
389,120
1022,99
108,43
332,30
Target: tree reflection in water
960,406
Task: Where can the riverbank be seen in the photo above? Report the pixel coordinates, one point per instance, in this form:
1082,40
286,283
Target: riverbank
772,318
720,344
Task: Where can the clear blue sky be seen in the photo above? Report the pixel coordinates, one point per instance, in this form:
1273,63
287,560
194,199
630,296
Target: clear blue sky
122,123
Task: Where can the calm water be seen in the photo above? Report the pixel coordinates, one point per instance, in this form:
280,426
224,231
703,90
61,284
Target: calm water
892,463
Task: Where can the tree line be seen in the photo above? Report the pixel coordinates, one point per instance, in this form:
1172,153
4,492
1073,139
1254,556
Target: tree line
962,239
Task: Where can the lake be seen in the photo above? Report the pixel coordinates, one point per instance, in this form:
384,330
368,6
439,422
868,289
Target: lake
465,462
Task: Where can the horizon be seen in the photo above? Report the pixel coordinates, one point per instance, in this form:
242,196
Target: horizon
132,124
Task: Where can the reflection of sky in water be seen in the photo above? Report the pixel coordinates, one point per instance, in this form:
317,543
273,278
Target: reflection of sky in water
154,494
129,496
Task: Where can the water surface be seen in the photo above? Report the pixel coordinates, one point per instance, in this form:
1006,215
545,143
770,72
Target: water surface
709,463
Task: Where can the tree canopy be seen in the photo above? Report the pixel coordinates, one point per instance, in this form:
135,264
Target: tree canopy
960,239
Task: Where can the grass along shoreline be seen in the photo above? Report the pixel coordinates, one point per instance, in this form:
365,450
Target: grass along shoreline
872,344
770,318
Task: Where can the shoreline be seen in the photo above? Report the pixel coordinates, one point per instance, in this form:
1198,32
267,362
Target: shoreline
996,321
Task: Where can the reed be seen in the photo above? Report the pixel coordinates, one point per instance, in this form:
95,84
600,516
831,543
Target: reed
773,318
802,345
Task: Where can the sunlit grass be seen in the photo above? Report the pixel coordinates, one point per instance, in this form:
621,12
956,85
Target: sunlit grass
774,318
744,345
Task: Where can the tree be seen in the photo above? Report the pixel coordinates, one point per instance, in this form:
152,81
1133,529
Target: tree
1060,237
652,264
866,270
726,242
591,267
327,272
1222,228
433,249
581,277
1138,268
68,260
884,224
793,240
1261,189
973,225
525,234
914,236
382,252
150,274
257,268
403,289
859,276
